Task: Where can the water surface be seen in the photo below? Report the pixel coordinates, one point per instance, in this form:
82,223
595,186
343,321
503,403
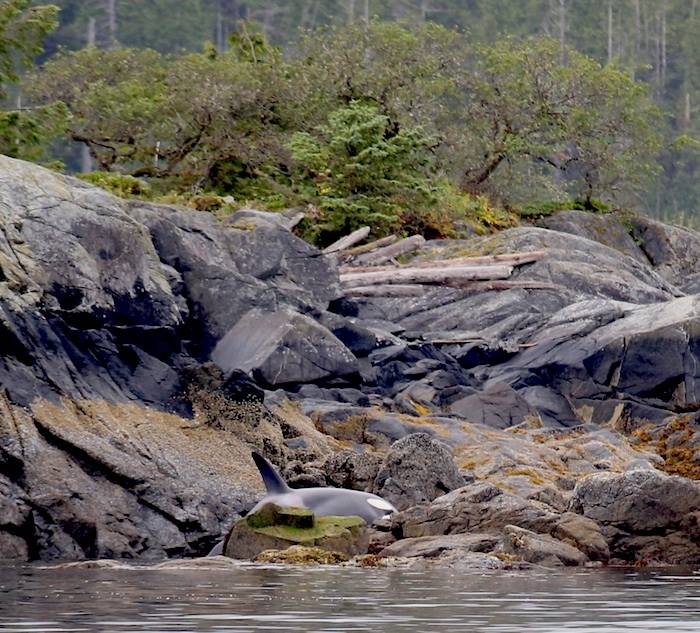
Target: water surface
253,599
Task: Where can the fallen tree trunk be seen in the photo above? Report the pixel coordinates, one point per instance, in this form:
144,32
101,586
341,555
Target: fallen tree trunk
387,290
346,242
379,256
371,246
503,284
512,259
446,276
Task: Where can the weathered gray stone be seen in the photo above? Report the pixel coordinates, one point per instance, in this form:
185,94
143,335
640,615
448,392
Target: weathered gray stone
477,507
540,548
498,406
582,533
353,470
417,469
639,501
430,546
247,218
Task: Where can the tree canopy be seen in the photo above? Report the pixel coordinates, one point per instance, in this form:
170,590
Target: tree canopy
532,102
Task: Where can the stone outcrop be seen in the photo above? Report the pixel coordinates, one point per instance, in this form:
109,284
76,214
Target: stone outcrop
647,515
145,349
283,348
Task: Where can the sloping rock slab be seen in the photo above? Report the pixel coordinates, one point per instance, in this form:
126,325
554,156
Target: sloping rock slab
283,347
644,364
639,501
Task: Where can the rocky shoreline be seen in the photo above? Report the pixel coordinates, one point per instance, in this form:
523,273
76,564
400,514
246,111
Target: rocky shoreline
145,349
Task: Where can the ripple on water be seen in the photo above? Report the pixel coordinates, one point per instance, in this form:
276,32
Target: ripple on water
192,599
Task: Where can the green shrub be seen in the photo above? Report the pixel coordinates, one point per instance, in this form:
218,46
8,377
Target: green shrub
120,185
550,207
359,170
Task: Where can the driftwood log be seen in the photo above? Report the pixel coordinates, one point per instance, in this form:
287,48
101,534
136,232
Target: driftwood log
346,242
387,290
369,247
511,259
387,253
437,276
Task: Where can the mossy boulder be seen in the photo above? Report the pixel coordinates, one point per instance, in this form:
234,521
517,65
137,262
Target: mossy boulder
276,528
301,555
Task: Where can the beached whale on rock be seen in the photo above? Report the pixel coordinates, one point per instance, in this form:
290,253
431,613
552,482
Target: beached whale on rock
321,501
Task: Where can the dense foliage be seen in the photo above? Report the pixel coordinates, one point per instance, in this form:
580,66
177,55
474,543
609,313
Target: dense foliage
24,132
405,124
656,41
377,123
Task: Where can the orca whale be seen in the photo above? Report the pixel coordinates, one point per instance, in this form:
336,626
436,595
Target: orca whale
321,501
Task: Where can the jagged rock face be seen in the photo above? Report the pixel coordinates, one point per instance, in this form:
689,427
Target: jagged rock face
119,437
106,302
107,299
609,336
87,480
637,361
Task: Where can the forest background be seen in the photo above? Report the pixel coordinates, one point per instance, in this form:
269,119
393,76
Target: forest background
412,115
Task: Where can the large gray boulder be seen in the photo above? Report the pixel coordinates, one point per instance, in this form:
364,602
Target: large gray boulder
498,406
417,469
648,516
528,529
476,507
639,501
283,347
540,548
672,251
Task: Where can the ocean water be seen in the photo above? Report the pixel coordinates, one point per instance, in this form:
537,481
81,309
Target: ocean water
251,598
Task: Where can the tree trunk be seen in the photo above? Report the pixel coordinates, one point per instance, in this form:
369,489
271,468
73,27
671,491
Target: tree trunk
111,10
219,36
562,30
91,38
610,32
471,184
663,43
350,8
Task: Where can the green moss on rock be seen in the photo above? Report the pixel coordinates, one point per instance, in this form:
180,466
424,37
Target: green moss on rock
300,555
274,527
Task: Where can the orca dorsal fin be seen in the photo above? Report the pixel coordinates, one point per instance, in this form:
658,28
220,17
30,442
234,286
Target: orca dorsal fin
273,482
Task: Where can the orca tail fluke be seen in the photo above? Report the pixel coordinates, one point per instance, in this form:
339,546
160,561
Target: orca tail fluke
273,482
